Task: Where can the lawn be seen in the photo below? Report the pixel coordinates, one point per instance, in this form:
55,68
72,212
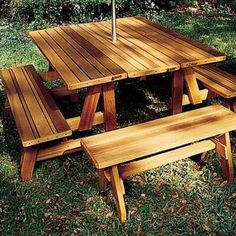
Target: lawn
183,198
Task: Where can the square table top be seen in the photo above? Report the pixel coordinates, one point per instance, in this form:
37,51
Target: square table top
84,54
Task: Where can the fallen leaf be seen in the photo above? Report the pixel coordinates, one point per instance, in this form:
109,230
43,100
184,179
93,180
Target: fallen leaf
47,214
48,201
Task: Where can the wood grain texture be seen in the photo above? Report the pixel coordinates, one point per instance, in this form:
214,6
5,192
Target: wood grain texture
102,179
118,191
89,57
28,159
191,45
216,80
59,149
136,167
194,93
177,91
75,121
89,108
223,147
109,106
36,115
204,93
140,140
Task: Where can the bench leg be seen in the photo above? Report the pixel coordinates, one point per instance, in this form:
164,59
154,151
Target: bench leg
102,179
118,190
109,106
28,159
7,109
223,148
232,105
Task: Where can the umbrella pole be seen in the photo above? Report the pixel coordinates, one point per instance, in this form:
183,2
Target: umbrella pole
113,21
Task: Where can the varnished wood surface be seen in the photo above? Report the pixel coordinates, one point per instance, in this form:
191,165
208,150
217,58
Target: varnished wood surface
217,80
140,140
84,54
36,115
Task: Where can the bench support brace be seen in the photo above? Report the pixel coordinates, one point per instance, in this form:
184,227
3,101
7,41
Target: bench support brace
195,96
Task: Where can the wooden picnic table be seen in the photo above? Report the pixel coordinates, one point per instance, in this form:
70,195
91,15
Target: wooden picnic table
84,56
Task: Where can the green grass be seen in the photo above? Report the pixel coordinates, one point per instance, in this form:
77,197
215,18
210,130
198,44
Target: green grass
183,198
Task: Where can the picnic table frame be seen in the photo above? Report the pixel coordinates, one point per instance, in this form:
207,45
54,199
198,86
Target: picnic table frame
84,56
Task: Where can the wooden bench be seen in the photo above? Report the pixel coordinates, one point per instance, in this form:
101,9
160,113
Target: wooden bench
217,82
125,152
37,117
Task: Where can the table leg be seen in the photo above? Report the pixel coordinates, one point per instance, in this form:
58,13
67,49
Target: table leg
109,106
89,108
177,91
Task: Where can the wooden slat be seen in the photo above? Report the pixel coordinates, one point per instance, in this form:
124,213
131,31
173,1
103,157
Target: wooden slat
33,104
134,46
110,49
103,69
130,49
70,72
177,91
93,50
75,121
53,112
217,80
133,142
187,50
36,115
165,158
191,46
15,102
60,149
163,47
54,58
142,48
67,59
75,55
168,44
184,40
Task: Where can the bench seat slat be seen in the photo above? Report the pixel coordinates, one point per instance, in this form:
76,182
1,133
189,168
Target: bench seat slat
217,80
55,114
127,144
31,103
36,115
